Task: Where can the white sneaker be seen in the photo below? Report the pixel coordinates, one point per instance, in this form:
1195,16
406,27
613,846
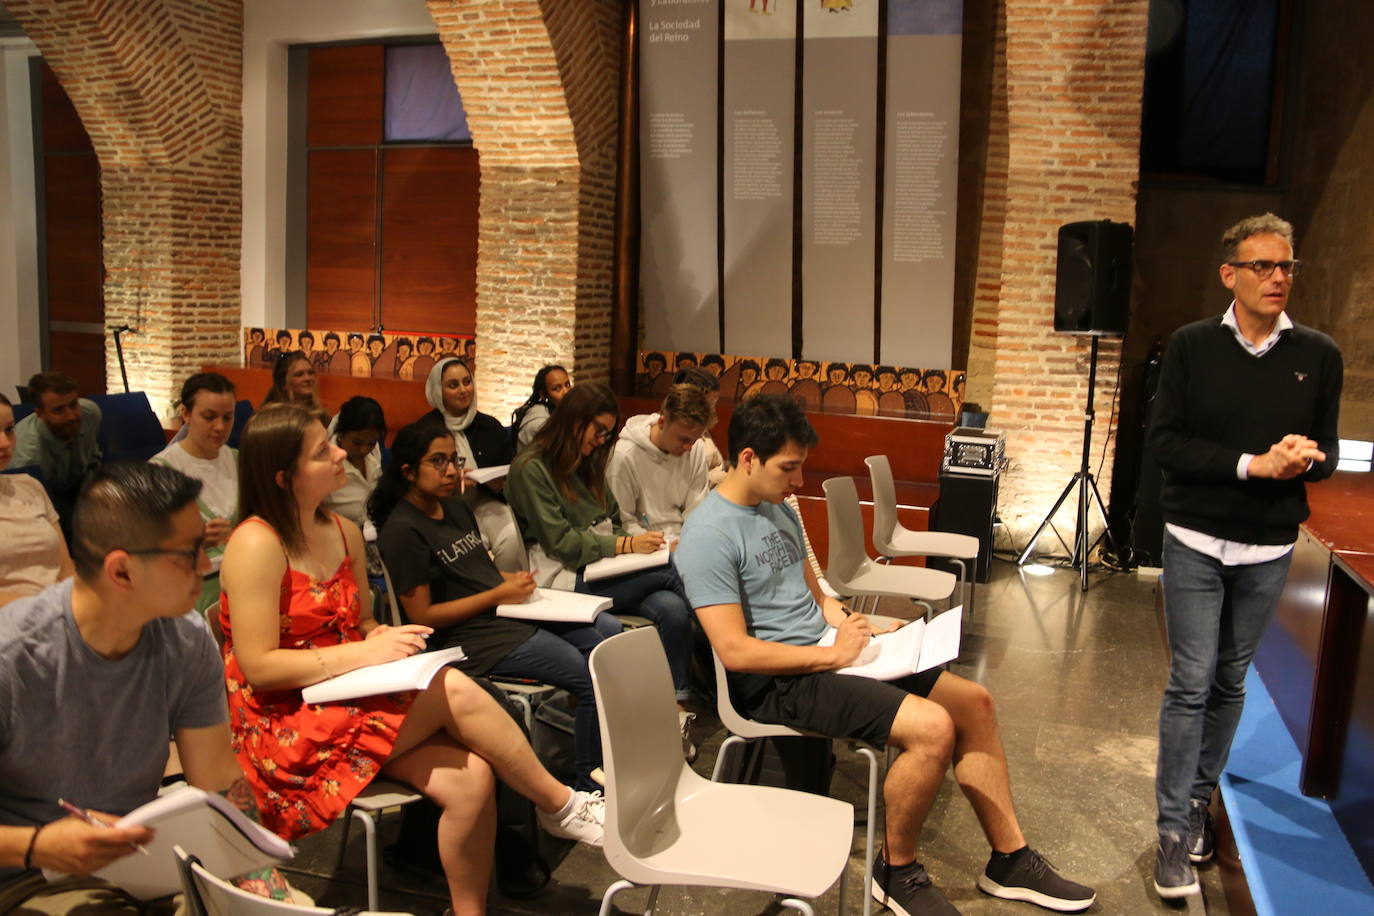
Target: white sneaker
684,724
586,822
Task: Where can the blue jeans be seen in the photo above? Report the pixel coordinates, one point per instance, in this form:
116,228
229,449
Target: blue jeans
658,595
1215,617
557,654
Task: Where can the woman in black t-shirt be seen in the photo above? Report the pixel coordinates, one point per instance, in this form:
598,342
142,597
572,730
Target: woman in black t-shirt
444,578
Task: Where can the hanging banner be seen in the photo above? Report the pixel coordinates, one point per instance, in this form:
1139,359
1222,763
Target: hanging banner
921,152
839,157
679,298
758,99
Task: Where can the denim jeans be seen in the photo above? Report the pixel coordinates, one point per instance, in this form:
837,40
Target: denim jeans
658,595
557,654
1216,616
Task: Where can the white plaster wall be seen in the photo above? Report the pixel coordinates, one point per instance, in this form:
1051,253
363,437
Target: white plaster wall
20,353
269,28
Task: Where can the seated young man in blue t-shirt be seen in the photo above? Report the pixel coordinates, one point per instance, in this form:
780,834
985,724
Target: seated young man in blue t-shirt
744,566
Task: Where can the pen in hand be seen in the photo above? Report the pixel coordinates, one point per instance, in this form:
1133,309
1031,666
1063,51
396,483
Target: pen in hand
82,814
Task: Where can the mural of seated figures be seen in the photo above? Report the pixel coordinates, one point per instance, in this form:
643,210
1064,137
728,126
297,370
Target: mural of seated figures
365,354
832,387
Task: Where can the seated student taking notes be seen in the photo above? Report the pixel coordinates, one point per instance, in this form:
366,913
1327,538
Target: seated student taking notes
444,578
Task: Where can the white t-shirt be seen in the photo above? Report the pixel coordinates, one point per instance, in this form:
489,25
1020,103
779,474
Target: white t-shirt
219,477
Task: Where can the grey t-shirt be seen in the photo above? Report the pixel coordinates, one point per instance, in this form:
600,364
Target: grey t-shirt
753,556
78,726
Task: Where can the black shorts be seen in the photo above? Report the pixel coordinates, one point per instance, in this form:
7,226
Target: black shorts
836,705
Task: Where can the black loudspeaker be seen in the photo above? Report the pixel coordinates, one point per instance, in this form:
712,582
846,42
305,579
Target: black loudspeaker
1092,288
967,505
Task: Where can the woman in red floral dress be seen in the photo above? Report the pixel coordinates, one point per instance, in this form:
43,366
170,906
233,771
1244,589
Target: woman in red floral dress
293,615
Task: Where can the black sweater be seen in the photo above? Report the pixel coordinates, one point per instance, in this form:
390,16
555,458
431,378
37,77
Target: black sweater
1216,401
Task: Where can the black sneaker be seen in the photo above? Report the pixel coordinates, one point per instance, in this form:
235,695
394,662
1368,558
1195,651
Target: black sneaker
907,891
1202,839
1027,875
1174,874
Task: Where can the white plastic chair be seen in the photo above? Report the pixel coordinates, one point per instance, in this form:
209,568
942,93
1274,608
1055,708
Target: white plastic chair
667,825
852,572
208,895
367,807
891,539
743,730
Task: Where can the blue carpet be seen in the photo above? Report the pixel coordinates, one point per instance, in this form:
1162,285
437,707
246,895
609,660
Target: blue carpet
1295,856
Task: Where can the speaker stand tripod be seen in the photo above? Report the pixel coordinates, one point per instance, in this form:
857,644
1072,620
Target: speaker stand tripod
1088,495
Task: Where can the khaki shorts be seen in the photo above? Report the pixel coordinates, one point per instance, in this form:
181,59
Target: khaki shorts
32,895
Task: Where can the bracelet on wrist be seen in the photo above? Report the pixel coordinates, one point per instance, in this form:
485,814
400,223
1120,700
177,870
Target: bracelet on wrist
323,667
33,841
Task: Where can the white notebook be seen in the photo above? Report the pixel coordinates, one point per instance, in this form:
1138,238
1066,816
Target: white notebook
487,475
610,567
557,605
411,673
916,647
206,825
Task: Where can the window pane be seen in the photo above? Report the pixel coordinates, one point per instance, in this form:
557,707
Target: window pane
422,100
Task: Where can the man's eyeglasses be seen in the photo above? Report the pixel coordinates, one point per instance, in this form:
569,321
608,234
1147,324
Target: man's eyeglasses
441,462
1263,269
191,555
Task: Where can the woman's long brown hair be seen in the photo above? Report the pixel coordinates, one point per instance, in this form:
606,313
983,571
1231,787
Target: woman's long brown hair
559,441
272,442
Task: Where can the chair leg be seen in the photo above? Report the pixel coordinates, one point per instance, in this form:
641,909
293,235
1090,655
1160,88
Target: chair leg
844,889
653,900
343,843
872,817
370,833
609,896
720,755
526,708
792,903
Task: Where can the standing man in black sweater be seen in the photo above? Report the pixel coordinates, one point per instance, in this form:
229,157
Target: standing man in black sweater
1246,412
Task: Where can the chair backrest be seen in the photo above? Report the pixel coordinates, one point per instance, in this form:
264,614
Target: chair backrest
640,741
129,430
884,503
847,556
394,618
208,895
243,412
733,720
502,519
21,410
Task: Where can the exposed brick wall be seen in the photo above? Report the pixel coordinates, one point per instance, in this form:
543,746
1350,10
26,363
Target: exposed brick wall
158,86
1063,145
538,82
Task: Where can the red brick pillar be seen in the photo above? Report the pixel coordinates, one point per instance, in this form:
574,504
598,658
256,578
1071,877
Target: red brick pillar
158,86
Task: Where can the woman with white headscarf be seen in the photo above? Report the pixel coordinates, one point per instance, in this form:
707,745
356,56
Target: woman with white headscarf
481,442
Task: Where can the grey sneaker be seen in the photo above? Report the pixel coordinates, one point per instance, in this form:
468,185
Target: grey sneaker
907,890
1174,874
1202,838
1029,876
685,720
586,822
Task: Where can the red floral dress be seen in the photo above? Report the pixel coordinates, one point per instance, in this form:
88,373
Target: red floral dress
306,762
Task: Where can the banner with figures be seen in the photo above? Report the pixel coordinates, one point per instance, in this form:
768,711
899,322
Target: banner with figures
831,387
363,354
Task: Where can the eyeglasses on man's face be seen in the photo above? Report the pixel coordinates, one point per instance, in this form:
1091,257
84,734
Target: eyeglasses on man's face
1263,269
191,555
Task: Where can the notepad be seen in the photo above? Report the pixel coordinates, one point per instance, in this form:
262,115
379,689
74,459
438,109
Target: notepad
556,604
487,475
206,825
918,646
624,564
411,673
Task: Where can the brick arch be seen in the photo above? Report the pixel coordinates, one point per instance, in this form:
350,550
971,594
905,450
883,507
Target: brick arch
158,87
538,81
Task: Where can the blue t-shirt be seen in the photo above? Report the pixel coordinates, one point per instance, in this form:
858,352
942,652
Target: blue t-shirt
752,556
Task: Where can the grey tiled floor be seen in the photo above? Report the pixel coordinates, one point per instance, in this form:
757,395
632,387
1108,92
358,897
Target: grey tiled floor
1077,680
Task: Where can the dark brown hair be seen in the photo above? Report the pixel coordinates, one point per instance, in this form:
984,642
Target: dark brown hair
559,441
272,442
42,383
